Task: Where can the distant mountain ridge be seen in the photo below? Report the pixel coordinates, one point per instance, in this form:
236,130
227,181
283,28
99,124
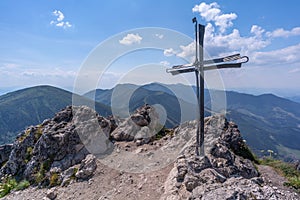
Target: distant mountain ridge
32,105
138,96
295,98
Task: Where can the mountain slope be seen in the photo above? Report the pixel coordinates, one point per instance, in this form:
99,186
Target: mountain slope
268,122
33,105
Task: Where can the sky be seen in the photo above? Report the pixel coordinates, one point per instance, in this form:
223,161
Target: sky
52,42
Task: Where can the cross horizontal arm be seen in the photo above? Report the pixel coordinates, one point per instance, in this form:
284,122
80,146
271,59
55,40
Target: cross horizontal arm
222,66
175,71
224,59
233,61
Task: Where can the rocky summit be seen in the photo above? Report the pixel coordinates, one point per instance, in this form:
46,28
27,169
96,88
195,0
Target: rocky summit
51,153
79,154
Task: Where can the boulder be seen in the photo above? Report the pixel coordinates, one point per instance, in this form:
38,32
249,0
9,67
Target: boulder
87,167
140,127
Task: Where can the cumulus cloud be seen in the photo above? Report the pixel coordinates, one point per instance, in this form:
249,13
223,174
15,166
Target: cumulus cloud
287,55
130,39
212,13
165,63
160,36
284,33
60,16
257,30
169,52
59,21
187,51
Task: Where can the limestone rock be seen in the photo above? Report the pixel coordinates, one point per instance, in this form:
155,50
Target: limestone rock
5,151
56,145
140,127
221,174
51,194
87,167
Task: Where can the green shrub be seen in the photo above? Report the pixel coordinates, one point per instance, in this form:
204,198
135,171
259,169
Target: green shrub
38,133
54,179
28,154
74,173
40,175
8,184
163,132
24,135
294,182
22,185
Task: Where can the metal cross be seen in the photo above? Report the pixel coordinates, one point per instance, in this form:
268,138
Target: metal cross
199,66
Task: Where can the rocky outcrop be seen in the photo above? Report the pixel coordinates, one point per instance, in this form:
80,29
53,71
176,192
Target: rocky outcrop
222,173
140,127
45,153
4,153
87,167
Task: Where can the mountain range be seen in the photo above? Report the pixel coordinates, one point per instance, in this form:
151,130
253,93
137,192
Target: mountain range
267,122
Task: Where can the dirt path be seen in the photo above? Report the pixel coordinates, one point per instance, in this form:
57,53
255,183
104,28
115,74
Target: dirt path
273,178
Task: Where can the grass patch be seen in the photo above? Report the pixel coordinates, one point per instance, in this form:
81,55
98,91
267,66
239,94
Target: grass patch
54,179
28,154
285,169
40,175
163,132
38,133
22,185
24,135
8,184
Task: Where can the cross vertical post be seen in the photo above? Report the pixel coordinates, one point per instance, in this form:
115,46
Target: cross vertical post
197,54
201,109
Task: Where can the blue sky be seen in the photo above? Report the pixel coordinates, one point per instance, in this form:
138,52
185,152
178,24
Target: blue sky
47,42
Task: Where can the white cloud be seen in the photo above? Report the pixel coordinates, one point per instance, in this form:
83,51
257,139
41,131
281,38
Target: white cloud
224,21
296,70
284,33
288,55
59,21
257,30
207,11
217,44
165,63
187,51
42,73
160,36
130,39
212,13
169,52
60,16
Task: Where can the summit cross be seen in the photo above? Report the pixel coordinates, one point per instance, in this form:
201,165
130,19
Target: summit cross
199,66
